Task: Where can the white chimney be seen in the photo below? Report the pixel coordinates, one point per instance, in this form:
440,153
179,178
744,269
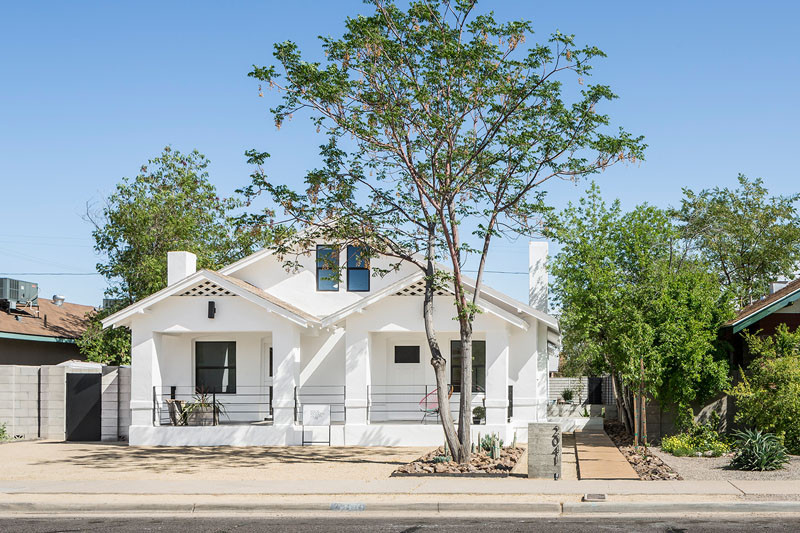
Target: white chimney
537,275
180,265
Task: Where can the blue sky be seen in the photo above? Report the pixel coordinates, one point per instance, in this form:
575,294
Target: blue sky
90,91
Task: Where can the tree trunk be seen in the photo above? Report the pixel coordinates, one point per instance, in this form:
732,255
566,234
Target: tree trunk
465,404
439,364
623,404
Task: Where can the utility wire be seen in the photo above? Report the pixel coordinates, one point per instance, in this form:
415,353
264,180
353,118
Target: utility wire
49,274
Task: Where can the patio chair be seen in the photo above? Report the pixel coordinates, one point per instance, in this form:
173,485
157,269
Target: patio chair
429,405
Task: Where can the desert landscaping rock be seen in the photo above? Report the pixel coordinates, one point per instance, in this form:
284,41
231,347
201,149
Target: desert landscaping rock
648,466
481,464
715,468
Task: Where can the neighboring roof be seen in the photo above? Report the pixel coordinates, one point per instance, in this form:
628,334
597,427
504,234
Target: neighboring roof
64,323
765,307
235,286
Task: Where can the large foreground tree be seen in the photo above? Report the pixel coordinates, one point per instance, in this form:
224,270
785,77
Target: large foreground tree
443,127
170,205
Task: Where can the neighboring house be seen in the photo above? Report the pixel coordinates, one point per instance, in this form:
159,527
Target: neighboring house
781,306
267,344
42,334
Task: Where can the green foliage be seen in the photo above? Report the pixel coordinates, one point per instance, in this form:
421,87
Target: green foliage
170,205
567,395
749,237
3,432
441,459
756,450
698,439
768,394
631,296
491,441
443,129
479,412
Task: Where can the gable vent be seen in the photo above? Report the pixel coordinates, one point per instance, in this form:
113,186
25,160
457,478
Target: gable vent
207,288
417,289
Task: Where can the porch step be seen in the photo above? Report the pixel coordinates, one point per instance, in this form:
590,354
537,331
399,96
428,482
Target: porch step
599,458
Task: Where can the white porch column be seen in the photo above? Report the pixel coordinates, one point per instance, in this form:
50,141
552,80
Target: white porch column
356,373
286,368
530,387
496,376
145,375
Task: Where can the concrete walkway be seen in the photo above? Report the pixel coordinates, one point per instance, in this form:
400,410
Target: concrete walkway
599,458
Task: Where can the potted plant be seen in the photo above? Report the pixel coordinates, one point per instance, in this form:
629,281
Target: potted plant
567,395
478,414
204,410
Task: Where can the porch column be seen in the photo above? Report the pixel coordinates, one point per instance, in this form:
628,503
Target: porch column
530,387
285,364
145,375
356,373
496,377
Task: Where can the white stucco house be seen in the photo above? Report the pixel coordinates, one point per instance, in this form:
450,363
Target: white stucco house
265,344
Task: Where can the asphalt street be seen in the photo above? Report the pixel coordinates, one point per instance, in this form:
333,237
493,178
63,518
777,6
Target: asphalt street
380,525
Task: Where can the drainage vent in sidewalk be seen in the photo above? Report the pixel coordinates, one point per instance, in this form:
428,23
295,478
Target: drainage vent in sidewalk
593,498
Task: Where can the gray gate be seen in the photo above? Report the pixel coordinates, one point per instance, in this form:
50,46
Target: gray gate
83,406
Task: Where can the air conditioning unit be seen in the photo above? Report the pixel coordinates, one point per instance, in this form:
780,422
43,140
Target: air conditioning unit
17,293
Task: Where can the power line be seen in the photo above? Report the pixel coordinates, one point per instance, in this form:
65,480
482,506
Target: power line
49,274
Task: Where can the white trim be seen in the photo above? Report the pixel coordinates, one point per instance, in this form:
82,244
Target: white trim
246,261
120,317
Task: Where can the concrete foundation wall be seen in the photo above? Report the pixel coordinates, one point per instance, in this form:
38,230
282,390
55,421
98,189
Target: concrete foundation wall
33,401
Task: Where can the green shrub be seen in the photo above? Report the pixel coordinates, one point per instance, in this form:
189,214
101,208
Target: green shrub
479,412
567,395
768,396
758,451
3,432
697,439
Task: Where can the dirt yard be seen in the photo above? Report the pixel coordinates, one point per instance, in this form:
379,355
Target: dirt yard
48,460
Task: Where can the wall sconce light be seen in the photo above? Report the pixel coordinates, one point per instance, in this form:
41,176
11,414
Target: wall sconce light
212,309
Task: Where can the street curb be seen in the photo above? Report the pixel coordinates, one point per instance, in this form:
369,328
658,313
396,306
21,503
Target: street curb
494,508
680,507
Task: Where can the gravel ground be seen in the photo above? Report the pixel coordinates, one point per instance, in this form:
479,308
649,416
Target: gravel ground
707,468
50,460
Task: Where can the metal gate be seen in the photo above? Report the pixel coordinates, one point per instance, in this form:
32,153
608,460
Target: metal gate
595,393
83,406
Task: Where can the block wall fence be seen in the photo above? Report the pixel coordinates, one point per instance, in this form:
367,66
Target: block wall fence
33,401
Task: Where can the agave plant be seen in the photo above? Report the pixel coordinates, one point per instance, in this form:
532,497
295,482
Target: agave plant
756,450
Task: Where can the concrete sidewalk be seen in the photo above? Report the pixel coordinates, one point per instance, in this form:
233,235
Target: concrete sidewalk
405,486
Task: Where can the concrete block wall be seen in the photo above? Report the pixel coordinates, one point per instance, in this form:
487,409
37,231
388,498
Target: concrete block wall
33,401
19,400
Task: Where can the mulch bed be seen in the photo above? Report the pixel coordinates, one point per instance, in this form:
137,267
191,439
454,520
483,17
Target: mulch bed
481,464
647,465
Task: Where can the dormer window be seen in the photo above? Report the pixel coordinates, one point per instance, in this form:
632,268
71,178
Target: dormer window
327,267
357,269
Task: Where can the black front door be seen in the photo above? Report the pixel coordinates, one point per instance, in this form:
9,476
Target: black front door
83,407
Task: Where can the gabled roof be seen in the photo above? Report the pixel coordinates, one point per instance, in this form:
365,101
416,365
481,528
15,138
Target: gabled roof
503,306
754,312
235,286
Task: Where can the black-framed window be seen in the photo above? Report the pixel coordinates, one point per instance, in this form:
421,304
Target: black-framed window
478,366
215,366
357,269
406,354
327,267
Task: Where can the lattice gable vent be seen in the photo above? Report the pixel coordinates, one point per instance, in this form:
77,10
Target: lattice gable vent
418,289
207,288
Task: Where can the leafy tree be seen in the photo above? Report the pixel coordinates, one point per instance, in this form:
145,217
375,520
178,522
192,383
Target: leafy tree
442,128
768,395
169,205
635,303
749,237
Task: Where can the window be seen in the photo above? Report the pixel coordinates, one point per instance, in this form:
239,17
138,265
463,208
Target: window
478,366
327,268
357,269
406,354
215,367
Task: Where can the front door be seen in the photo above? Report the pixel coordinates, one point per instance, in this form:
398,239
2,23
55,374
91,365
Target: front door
266,379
